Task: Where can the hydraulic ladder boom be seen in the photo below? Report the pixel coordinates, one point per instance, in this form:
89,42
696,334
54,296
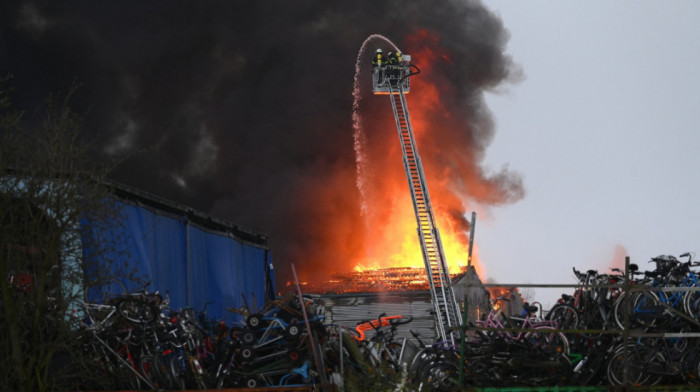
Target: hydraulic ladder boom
392,79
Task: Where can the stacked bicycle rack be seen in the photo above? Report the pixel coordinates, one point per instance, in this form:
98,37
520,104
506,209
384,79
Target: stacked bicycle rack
630,329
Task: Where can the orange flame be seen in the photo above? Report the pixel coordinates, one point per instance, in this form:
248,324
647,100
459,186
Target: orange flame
376,227
392,238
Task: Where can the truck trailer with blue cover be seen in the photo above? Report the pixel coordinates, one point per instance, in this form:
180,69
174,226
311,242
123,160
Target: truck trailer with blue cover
198,260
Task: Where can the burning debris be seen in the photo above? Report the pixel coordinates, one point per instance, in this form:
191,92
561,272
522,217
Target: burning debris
376,280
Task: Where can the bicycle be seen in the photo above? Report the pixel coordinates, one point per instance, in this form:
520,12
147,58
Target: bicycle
381,348
648,308
589,308
541,333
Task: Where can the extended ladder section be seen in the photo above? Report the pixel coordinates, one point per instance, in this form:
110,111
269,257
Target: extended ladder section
447,312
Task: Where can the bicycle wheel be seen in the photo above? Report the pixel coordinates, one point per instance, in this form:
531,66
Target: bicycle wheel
154,368
255,321
196,374
252,382
292,332
545,369
691,304
136,310
565,315
400,321
643,308
422,359
111,289
442,375
127,378
177,373
636,360
551,342
390,355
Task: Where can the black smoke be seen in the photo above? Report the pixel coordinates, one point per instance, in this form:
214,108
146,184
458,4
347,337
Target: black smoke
241,109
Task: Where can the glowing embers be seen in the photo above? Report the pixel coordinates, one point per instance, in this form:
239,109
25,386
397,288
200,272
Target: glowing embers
376,280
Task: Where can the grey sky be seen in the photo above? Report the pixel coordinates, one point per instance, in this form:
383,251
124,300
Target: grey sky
604,128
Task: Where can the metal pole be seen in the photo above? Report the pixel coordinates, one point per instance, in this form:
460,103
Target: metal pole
463,335
626,329
342,372
188,285
471,239
312,342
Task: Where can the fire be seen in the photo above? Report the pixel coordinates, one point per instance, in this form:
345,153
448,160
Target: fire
391,239
365,221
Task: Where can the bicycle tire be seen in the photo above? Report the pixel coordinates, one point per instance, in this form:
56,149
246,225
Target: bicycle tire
635,359
441,375
111,289
177,373
635,319
153,367
127,378
292,332
390,355
247,354
222,382
566,316
691,304
251,382
248,337
255,321
136,310
401,321
551,342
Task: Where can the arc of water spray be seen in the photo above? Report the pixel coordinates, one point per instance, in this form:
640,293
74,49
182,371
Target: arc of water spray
359,138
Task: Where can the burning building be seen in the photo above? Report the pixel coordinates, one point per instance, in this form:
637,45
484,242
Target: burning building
396,279
391,77
244,116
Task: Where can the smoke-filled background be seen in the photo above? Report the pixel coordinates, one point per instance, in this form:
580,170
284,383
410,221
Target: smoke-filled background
243,110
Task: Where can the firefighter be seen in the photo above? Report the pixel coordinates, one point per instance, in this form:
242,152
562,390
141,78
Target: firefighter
393,68
378,57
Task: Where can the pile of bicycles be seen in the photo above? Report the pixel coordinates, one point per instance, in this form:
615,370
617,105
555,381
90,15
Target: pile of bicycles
638,328
274,346
500,351
659,309
609,331
136,341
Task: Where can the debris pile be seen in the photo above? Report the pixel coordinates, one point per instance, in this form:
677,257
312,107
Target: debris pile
376,280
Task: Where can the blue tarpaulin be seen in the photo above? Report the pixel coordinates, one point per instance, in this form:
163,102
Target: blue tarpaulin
195,264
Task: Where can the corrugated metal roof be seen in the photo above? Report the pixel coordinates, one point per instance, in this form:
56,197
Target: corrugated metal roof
350,309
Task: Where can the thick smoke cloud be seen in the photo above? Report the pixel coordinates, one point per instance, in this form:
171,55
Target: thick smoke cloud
242,109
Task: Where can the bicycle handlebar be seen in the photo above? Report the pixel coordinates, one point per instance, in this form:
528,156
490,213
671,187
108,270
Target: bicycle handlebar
376,324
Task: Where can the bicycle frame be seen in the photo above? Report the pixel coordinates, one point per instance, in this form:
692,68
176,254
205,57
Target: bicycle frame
674,300
493,321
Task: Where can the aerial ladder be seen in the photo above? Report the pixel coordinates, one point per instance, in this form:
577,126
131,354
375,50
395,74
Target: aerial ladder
391,76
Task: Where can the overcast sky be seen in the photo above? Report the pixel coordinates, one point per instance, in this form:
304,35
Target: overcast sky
604,129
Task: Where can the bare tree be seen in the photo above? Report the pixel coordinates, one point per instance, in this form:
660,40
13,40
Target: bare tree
48,185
